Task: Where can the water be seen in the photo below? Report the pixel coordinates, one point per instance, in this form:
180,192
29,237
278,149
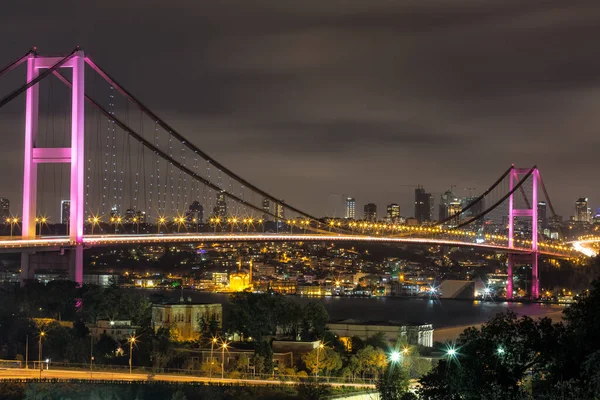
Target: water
440,313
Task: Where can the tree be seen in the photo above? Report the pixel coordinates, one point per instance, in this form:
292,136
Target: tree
368,361
495,359
325,359
393,382
314,320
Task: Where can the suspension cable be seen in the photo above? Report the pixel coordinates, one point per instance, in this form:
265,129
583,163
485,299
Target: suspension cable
475,201
157,151
17,62
496,204
37,79
184,141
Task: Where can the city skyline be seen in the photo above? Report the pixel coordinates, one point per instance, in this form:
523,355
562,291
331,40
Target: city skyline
327,96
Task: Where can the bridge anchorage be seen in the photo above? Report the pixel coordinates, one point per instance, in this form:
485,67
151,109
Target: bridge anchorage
145,167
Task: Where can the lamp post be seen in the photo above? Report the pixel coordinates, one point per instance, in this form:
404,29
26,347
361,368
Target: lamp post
13,222
212,347
94,220
137,225
131,342
42,334
321,346
161,221
91,354
223,347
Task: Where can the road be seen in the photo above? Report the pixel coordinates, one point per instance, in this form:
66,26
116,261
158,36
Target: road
20,373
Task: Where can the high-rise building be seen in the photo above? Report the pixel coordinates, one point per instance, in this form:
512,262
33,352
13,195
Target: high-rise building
423,205
581,210
370,212
393,213
4,209
195,213
476,209
445,199
65,211
350,208
279,210
220,209
129,215
266,206
542,215
140,216
455,208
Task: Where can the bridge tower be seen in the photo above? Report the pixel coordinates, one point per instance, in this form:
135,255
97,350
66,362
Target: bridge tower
74,155
532,212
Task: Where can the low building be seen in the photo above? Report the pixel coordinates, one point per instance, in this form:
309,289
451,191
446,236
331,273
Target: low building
415,334
118,330
284,287
101,279
184,318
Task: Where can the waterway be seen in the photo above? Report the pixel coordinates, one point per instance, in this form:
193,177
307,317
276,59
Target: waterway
440,313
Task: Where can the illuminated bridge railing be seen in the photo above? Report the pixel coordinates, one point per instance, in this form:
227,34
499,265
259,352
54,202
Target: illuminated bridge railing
422,237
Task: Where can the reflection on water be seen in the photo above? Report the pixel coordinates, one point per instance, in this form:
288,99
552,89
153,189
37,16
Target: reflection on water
440,313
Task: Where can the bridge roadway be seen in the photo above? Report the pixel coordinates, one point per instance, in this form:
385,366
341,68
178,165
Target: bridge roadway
51,243
584,245
66,374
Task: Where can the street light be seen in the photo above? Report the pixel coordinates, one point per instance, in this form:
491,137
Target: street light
42,334
131,342
212,346
395,356
179,220
161,221
12,221
500,350
41,221
94,220
321,346
223,347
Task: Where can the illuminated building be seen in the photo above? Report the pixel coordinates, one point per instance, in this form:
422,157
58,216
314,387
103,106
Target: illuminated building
423,205
184,319
118,330
240,280
370,210
393,213
4,209
279,211
542,215
220,209
195,214
415,334
266,206
581,210
129,215
65,211
350,208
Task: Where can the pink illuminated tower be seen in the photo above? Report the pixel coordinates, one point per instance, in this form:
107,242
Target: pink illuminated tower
528,213
74,155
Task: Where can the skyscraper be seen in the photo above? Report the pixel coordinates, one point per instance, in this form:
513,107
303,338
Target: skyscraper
350,208
581,210
220,209
266,206
423,205
542,216
279,211
195,213
4,209
65,211
370,212
393,213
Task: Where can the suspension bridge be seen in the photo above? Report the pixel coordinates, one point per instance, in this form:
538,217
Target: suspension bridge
129,177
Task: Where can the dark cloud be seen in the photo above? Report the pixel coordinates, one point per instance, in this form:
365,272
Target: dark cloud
308,98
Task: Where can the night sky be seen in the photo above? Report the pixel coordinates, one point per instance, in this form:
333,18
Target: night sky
313,100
